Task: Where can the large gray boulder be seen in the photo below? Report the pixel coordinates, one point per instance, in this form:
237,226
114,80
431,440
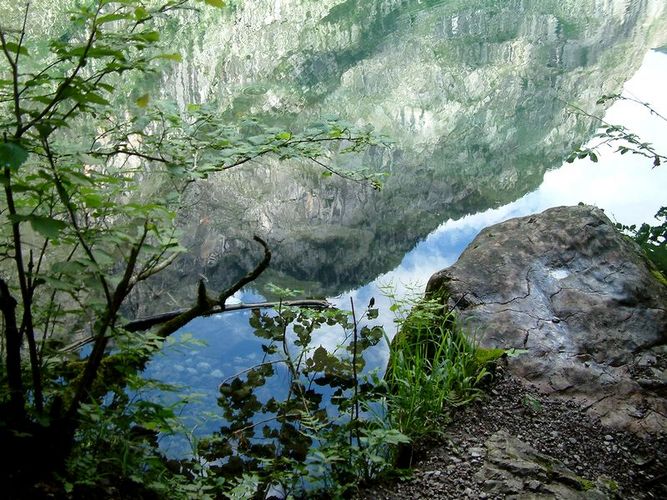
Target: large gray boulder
579,301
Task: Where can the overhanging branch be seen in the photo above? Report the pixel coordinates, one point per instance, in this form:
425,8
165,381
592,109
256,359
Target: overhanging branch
250,277
143,324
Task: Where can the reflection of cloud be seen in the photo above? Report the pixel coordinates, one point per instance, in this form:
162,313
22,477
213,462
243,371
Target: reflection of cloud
625,186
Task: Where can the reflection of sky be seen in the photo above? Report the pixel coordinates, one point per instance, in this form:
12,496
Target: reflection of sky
626,187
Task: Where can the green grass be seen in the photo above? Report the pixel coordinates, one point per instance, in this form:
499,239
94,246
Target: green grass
433,367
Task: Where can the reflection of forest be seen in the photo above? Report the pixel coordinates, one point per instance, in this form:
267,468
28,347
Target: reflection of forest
474,94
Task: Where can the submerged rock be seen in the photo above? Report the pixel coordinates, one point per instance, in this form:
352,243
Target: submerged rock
581,304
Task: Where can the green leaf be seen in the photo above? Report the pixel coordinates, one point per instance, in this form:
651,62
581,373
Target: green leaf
215,3
142,101
14,47
46,226
593,157
69,267
12,155
112,17
96,52
95,98
140,13
93,200
150,36
174,56
106,86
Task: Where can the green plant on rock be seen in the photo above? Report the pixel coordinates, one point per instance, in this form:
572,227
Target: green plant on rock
433,366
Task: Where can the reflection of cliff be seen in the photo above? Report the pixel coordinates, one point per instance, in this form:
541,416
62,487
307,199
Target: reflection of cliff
474,93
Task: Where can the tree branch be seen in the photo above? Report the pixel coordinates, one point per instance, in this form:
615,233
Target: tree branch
148,322
13,343
250,277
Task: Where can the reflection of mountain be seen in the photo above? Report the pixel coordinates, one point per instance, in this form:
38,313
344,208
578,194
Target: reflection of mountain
474,93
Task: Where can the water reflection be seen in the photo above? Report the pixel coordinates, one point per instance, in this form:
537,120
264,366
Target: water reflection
627,187
475,96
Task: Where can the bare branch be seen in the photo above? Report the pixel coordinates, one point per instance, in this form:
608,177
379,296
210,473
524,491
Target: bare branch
250,277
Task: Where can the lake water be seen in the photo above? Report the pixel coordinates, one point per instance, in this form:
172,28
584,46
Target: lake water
476,98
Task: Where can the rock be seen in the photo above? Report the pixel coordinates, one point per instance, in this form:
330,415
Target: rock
516,469
580,298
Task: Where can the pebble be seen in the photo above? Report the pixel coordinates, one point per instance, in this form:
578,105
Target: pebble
534,485
560,433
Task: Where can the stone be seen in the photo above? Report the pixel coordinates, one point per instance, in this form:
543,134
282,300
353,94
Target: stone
476,452
513,467
608,348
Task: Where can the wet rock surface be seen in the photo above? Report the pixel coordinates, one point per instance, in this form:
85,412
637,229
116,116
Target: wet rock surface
578,298
520,443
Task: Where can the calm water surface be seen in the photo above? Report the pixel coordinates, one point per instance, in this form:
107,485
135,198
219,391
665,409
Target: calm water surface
477,102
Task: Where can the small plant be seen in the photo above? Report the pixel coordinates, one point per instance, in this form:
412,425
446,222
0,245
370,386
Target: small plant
531,403
433,366
306,419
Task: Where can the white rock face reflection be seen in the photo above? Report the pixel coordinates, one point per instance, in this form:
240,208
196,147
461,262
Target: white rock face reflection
478,104
476,99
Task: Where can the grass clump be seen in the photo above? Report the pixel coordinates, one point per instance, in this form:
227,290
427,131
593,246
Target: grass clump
433,366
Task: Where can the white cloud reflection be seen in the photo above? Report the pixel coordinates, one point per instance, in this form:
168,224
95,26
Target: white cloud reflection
627,187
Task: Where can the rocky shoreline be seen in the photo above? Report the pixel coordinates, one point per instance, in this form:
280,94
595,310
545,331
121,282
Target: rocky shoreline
520,443
579,410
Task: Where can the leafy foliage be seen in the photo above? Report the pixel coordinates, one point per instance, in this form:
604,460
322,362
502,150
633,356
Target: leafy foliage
323,433
92,181
433,367
653,240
